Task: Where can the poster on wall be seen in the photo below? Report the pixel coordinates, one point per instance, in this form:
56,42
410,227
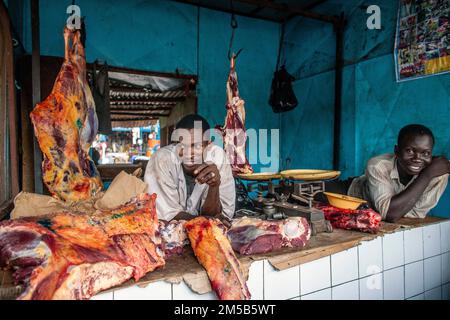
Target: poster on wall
422,46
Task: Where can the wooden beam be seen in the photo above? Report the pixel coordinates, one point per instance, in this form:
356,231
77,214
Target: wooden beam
8,101
36,88
142,100
312,4
141,109
293,10
135,119
226,10
258,9
156,114
189,77
306,6
339,29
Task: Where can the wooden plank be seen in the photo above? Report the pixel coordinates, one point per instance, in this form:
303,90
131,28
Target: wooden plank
142,99
110,171
291,9
223,9
36,88
12,107
339,70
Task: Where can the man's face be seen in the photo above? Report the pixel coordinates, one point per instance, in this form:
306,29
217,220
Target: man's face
414,153
191,148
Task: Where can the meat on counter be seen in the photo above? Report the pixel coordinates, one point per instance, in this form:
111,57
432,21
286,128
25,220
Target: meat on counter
214,252
74,256
254,236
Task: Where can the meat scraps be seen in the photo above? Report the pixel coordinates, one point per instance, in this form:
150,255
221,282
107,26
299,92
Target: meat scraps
173,237
74,256
253,236
233,131
214,252
364,220
65,125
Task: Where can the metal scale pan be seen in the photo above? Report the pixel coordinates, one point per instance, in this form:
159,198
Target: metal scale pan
299,185
306,184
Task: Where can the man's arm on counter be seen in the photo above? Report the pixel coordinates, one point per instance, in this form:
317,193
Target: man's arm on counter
405,201
394,206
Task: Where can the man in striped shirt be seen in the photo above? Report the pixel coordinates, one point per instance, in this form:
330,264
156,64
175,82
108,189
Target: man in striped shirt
407,183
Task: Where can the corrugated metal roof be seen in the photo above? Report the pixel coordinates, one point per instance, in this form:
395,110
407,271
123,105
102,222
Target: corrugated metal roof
139,100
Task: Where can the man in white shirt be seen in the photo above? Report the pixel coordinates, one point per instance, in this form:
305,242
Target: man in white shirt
192,176
407,183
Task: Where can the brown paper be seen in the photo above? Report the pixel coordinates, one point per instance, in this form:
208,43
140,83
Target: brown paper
34,205
124,187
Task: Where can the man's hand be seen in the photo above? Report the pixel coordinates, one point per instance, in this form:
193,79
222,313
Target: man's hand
207,173
438,167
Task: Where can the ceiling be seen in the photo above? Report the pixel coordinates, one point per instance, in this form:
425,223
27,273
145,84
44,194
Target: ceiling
140,98
272,10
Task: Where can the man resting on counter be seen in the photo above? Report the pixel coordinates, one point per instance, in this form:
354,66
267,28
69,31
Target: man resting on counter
407,183
191,176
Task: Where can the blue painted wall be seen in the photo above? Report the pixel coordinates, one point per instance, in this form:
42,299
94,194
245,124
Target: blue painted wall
375,106
167,36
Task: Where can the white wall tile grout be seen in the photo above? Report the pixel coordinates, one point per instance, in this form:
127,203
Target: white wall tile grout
331,274
358,272
263,280
423,261
359,275
404,267
382,267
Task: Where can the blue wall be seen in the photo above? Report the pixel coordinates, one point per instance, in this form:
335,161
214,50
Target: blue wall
167,36
375,106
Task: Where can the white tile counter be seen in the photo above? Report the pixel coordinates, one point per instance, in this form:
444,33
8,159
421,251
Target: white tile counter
411,264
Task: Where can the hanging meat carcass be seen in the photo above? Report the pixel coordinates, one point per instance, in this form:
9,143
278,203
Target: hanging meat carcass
65,125
214,252
74,256
233,131
253,236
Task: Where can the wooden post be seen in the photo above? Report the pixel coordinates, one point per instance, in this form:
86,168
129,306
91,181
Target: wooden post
36,88
339,29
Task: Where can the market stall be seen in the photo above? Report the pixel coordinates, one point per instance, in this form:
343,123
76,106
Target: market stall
278,220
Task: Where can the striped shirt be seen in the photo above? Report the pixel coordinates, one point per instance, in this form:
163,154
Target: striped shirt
381,182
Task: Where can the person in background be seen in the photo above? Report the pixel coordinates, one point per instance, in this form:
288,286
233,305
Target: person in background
407,183
191,176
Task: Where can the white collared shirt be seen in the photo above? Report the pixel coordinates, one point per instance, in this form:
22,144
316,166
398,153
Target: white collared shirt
381,182
165,177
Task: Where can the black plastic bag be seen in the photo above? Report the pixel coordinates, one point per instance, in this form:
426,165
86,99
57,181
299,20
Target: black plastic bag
282,96
100,92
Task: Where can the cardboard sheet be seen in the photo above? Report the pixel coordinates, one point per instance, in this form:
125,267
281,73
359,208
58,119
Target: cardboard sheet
124,187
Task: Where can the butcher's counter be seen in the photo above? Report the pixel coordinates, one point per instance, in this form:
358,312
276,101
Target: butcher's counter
406,260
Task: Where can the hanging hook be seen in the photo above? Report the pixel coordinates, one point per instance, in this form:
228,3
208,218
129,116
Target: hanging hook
234,26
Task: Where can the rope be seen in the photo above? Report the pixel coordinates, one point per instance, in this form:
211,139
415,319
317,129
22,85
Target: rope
280,47
234,26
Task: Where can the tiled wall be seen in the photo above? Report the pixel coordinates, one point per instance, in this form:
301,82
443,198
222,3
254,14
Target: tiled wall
412,264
